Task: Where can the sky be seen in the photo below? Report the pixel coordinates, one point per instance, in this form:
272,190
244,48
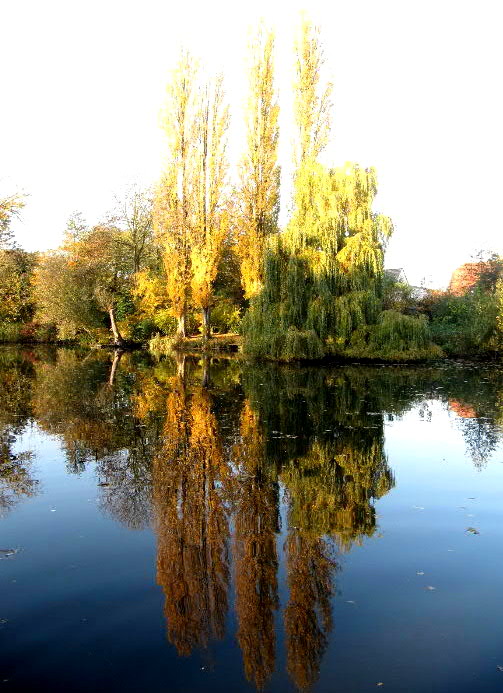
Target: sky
417,95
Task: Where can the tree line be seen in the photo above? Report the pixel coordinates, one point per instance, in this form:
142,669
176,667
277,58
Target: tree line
203,252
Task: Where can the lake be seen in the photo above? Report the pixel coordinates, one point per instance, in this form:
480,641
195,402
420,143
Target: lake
189,525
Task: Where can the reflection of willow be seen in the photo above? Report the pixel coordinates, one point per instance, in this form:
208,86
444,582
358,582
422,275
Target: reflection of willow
332,487
317,425
189,480
255,553
330,491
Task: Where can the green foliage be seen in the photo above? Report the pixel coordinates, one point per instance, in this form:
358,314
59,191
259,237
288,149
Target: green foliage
10,332
160,345
16,294
467,325
64,296
323,291
395,337
398,296
225,316
324,287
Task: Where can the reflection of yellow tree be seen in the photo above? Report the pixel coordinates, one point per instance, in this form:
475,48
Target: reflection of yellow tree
256,559
192,563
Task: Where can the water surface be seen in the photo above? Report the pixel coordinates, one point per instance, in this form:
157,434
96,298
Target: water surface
190,526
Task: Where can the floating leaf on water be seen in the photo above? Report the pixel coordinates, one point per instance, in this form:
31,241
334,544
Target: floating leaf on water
472,530
7,553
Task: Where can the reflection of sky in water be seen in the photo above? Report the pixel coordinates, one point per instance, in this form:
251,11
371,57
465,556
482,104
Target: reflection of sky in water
84,610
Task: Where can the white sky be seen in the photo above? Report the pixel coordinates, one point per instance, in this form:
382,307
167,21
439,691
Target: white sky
417,95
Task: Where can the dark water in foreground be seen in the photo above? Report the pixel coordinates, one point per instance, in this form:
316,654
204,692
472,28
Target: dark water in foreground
192,527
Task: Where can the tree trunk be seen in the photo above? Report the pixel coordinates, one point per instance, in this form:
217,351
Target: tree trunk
113,326
181,326
117,357
206,322
206,371
181,362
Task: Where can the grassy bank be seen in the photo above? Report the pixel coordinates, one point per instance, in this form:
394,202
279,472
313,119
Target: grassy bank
218,343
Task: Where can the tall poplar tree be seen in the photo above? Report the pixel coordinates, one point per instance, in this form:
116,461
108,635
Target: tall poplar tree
211,218
174,198
259,190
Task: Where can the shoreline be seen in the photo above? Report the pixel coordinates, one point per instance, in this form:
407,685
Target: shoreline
230,345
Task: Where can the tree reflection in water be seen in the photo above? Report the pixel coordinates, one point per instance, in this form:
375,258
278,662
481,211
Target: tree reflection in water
213,455
190,477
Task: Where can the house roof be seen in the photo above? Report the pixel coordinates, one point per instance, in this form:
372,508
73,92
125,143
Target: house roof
398,274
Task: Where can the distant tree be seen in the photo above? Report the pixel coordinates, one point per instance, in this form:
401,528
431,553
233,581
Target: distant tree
105,259
64,296
16,292
76,226
483,274
9,208
134,216
83,280
466,319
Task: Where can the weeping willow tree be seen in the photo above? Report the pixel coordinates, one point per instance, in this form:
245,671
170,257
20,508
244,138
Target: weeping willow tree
323,277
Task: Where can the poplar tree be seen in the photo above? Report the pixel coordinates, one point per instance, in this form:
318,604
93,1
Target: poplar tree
174,198
259,189
211,218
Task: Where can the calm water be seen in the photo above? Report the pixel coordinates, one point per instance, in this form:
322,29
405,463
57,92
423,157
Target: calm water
186,526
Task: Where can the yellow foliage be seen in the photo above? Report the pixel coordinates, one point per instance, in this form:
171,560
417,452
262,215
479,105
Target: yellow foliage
258,194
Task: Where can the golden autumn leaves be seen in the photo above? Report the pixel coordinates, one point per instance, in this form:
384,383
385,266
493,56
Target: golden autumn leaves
198,212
